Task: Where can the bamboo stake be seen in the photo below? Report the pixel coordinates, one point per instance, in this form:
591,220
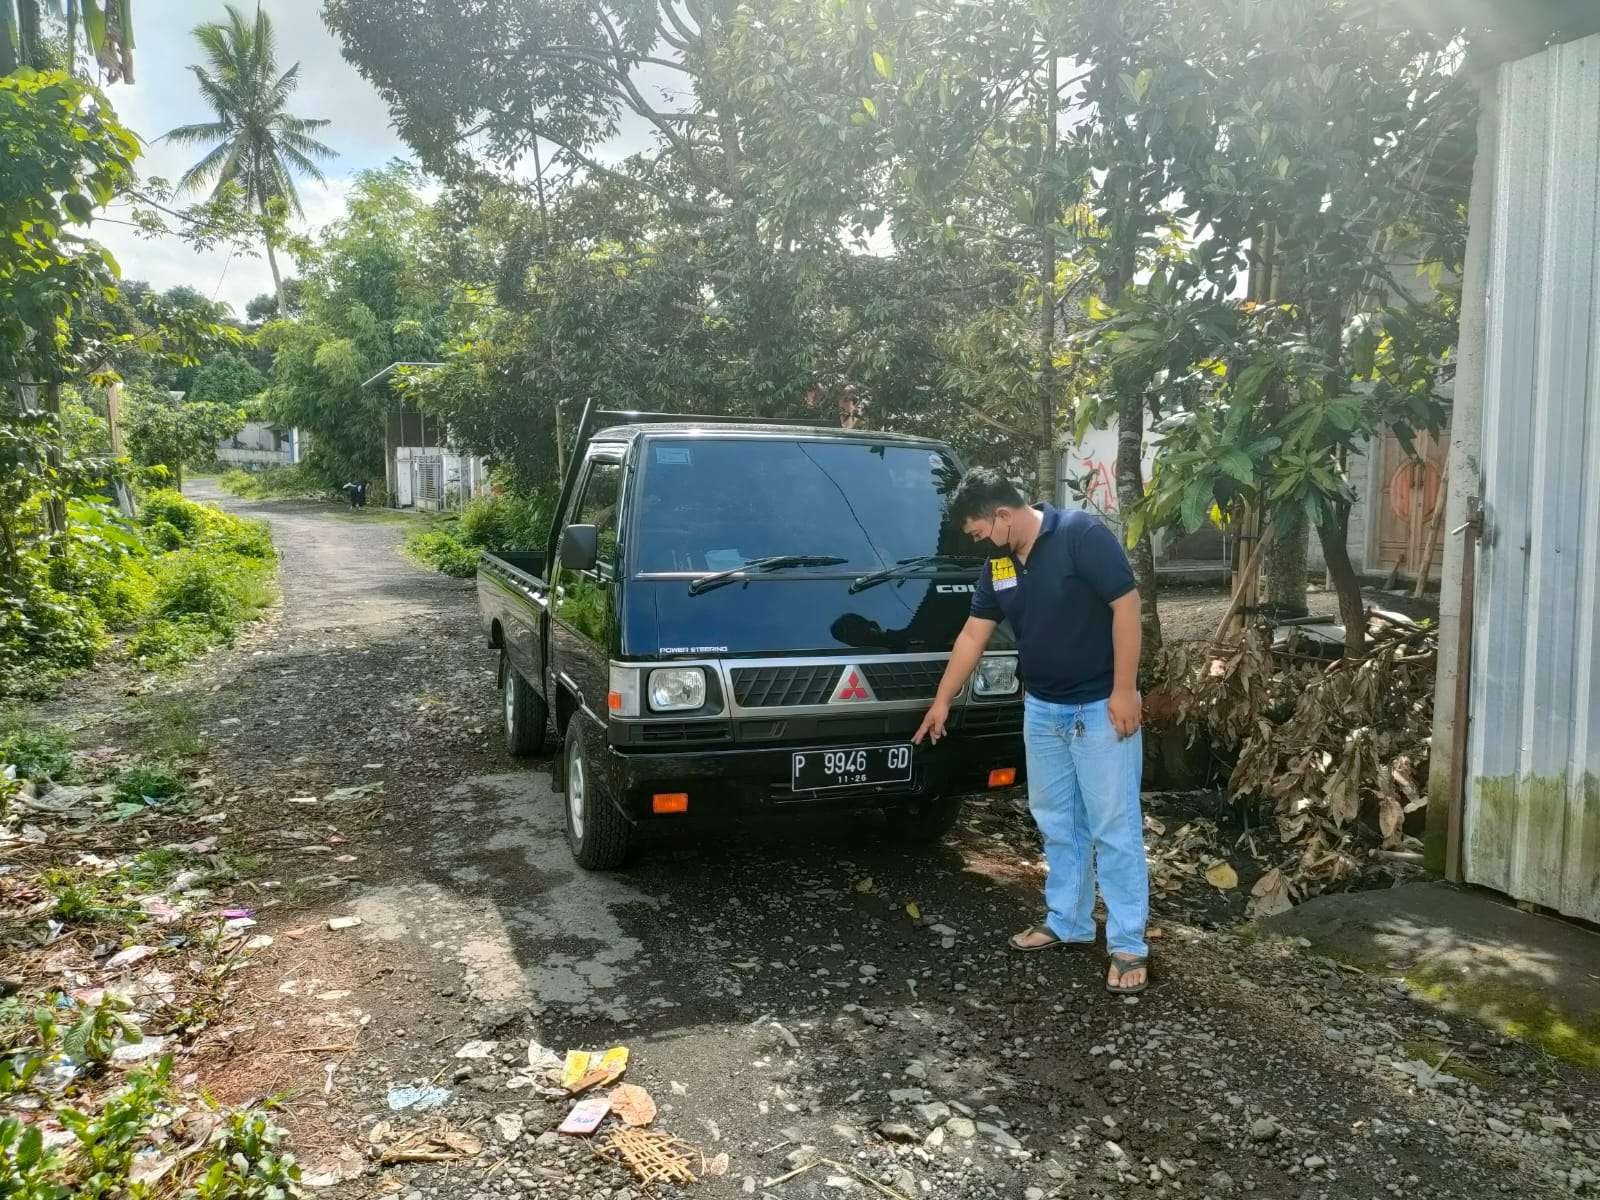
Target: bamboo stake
1434,526
1239,593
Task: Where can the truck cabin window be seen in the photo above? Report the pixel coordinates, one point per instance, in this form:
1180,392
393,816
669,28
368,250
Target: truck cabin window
712,504
598,507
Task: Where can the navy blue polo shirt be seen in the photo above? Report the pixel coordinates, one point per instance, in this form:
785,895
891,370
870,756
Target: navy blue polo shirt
1059,605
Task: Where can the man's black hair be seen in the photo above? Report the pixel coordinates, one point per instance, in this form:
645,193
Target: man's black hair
980,492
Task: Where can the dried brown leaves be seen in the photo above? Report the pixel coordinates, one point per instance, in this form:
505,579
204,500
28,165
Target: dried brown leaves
1339,748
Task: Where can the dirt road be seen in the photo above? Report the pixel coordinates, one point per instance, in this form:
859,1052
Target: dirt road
779,1001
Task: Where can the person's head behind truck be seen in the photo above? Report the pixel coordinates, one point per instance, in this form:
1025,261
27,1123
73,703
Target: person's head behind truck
985,505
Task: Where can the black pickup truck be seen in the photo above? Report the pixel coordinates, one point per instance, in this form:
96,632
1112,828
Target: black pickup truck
732,617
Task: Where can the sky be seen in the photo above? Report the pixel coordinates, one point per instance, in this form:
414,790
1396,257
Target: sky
165,95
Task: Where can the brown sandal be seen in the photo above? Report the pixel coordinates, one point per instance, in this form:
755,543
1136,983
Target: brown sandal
1125,964
1016,940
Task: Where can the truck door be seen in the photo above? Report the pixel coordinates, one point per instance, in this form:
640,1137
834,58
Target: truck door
583,602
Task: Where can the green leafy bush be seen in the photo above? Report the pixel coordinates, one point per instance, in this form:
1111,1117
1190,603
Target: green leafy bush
504,522
444,552
492,523
35,753
44,632
144,782
273,483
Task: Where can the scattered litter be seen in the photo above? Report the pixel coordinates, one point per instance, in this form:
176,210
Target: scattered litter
360,791
164,913
338,923
203,846
476,1050
716,1166
418,1098
127,958
260,942
34,835
542,1058
583,1071
347,1165
585,1116
301,800
842,1169
913,910
510,1125
134,1052
652,1156
633,1105
441,1144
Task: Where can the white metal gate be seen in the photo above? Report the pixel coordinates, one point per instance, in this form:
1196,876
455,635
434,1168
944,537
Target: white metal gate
1531,819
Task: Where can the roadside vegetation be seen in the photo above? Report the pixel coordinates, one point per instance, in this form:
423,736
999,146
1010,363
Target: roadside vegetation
121,948
494,523
274,483
157,590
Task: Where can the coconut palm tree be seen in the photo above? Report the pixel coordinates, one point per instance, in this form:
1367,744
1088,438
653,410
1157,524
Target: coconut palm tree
254,142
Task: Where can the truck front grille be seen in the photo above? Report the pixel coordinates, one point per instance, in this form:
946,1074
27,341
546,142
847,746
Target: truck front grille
904,680
785,687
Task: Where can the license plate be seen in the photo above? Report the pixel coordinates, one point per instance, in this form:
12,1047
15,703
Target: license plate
865,766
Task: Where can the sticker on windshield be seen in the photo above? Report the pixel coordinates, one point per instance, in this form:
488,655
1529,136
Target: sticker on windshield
672,456
1002,573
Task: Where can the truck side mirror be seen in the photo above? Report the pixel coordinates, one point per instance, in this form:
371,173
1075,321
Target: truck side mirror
579,549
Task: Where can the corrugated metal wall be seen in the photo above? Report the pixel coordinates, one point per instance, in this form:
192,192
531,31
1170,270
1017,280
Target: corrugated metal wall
1532,812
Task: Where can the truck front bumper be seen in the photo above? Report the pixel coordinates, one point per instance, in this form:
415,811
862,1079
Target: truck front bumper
746,781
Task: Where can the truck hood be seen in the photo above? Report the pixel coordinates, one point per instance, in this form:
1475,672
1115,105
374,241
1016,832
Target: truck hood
776,616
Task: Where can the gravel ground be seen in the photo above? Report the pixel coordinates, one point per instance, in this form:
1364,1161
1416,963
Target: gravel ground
780,1000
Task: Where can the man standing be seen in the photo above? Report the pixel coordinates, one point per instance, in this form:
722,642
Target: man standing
1062,580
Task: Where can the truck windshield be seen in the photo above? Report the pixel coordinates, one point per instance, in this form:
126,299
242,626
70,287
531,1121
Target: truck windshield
710,504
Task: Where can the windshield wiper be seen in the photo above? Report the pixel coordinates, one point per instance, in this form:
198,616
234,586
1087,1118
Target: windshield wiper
772,562
907,565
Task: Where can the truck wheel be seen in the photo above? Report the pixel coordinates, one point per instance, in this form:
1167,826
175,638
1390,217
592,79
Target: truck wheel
525,713
597,833
923,822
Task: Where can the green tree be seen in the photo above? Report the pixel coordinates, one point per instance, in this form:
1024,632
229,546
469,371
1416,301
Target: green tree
107,29
167,430
255,143
371,295
228,379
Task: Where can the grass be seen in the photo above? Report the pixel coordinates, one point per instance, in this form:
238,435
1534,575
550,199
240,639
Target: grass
171,730
36,753
494,523
274,483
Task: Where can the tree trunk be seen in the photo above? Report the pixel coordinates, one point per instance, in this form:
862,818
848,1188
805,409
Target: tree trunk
277,282
55,510
1044,216
1332,532
1286,563
1130,494
8,32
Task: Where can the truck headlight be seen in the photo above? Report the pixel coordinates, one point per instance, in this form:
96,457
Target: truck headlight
676,689
996,675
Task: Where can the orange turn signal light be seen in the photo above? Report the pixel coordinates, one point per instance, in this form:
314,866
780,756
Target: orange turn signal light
614,701
669,802
1002,777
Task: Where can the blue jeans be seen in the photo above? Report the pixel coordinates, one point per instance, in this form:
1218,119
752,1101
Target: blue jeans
1083,788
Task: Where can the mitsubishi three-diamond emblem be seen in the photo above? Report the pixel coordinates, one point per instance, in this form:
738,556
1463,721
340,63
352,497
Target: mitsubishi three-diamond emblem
852,687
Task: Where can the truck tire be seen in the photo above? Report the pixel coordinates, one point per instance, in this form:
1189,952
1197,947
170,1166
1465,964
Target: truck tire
524,712
923,822
598,835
